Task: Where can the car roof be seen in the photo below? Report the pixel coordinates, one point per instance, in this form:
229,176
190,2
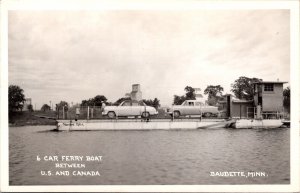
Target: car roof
132,101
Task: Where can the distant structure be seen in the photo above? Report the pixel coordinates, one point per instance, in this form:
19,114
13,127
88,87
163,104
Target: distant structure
266,103
26,104
198,95
136,93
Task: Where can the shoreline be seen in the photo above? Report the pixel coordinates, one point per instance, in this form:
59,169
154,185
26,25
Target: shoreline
19,119
30,124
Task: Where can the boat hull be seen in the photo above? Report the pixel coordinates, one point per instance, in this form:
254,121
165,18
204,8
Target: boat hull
253,124
81,125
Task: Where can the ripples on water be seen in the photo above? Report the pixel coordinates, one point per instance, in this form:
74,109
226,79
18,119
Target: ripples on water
152,157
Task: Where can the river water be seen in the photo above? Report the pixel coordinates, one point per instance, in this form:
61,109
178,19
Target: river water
150,157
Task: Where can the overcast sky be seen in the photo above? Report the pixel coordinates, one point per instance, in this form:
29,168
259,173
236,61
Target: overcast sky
76,55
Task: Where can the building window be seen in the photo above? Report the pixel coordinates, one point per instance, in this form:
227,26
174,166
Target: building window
269,87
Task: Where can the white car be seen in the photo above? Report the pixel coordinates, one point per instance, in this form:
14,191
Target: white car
129,108
193,107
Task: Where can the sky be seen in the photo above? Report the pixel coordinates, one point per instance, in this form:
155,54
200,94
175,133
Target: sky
76,55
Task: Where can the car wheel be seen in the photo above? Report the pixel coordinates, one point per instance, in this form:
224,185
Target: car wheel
145,115
176,114
207,114
111,114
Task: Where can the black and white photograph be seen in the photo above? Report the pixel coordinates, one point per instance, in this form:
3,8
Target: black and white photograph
151,96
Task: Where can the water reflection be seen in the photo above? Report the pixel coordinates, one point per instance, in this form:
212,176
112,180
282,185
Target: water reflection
152,157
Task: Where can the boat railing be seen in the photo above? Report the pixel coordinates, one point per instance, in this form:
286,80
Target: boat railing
252,113
95,112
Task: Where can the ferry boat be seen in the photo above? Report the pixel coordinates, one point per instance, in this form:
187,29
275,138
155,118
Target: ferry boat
138,124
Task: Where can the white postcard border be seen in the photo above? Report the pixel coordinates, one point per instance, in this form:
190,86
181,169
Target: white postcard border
293,6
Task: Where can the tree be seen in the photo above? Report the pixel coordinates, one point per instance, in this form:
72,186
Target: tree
62,104
30,108
214,94
45,107
213,101
96,101
190,93
156,103
153,103
214,91
243,87
16,98
178,100
99,99
286,98
84,103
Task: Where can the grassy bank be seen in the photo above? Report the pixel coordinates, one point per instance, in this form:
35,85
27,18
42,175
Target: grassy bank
30,118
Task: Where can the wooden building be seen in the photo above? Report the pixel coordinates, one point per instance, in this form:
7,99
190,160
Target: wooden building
236,108
267,102
269,95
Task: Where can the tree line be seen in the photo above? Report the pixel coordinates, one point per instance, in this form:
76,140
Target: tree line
242,88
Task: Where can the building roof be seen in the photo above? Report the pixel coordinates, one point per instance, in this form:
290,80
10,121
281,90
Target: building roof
236,101
242,101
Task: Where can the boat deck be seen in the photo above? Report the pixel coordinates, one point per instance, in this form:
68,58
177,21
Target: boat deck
138,124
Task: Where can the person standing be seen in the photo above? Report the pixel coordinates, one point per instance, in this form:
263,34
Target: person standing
102,105
77,113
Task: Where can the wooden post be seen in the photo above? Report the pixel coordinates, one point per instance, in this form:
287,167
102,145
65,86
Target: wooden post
92,113
258,112
63,112
172,112
57,113
117,114
88,112
240,111
200,113
229,106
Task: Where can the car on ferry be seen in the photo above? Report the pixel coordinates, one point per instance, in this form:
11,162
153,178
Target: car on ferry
193,107
129,108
